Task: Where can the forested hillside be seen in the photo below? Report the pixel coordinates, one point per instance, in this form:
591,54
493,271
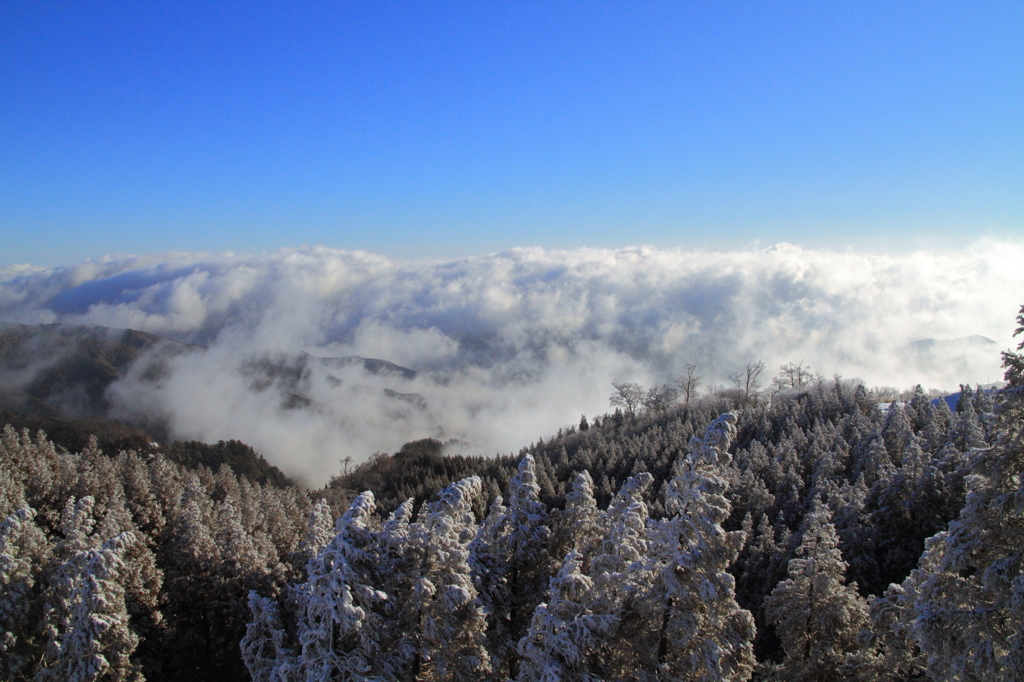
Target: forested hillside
806,536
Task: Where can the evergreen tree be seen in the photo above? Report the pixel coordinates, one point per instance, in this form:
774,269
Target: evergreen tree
565,630
86,622
576,528
450,621
22,553
704,634
621,577
337,619
816,615
398,556
519,565
970,604
264,650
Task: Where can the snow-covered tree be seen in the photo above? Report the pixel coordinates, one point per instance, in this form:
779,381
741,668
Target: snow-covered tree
450,622
621,574
619,564
970,603
22,552
816,615
577,527
86,621
338,604
264,648
398,557
886,650
703,634
627,396
488,564
565,630
763,565
319,529
512,564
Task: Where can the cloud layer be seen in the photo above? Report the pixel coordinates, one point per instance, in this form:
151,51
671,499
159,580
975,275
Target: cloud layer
510,346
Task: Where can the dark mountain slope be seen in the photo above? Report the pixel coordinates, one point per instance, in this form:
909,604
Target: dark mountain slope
56,370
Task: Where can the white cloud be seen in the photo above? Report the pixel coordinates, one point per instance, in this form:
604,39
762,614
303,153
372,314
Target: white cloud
511,346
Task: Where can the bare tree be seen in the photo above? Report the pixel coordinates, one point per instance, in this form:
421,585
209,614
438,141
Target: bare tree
628,396
688,384
661,397
793,376
748,382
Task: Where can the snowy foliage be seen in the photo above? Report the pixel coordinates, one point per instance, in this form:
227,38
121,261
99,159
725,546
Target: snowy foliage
816,614
704,634
21,553
87,629
565,631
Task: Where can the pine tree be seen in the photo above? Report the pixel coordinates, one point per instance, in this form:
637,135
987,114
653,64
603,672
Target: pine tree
264,647
487,561
87,630
22,552
763,566
576,528
886,650
450,621
816,615
622,577
515,556
970,603
704,633
319,529
565,630
397,557
338,604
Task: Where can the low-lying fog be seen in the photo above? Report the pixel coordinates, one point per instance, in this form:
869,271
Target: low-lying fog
511,346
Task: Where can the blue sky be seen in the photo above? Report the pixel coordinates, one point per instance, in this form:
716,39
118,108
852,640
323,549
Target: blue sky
445,129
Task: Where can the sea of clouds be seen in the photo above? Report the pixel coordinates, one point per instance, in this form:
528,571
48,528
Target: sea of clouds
511,346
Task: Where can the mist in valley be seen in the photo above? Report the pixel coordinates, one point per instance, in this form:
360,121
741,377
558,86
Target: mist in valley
314,355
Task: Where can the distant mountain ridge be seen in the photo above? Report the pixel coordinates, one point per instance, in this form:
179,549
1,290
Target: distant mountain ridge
371,365
60,371
53,370
955,345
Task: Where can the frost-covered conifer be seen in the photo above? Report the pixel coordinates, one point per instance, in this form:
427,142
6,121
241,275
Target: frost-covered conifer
887,651
514,556
763,566
193,548
487,566
397,559
969,432
449,619
874,464
565,630
816,615
703,634
897,432
577,527
319,529
619,565
22,551
239,557
620,569
86,621
970,603
12,488
264,647
907,509
140,576
337,604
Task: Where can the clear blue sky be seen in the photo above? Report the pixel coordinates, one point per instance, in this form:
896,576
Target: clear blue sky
453,128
